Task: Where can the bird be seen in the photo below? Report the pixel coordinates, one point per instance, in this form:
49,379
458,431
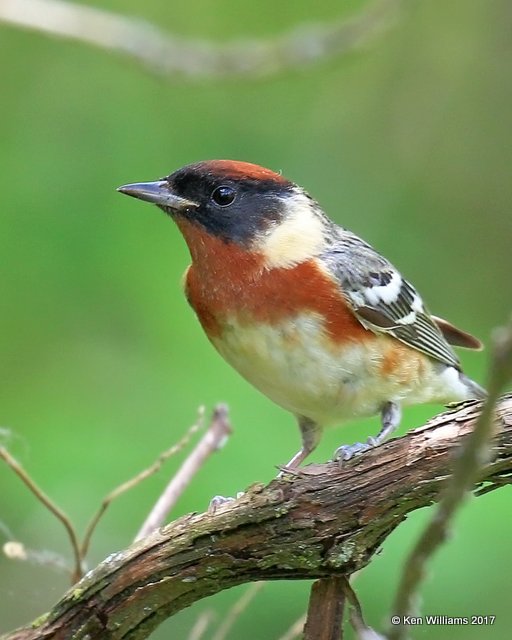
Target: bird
305,310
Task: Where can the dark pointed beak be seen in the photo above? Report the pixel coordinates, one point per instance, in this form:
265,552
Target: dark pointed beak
157,193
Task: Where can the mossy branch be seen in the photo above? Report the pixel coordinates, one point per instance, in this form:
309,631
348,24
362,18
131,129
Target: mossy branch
324,522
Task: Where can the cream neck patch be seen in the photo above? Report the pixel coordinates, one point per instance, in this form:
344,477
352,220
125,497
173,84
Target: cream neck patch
298,237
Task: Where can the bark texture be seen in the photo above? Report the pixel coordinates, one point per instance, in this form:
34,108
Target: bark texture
326,521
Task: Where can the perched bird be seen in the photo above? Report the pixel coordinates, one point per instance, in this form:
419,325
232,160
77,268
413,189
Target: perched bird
305,310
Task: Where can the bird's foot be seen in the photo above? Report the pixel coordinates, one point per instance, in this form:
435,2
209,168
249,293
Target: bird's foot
286,471
348,451
390,416
220,501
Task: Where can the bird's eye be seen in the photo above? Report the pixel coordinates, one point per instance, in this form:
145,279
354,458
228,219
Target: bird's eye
223,195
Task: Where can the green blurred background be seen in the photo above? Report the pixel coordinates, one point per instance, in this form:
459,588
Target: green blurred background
407,142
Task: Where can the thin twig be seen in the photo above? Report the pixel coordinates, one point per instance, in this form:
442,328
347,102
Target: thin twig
497,481
325,610
356,613
214,439
295,630
201,625
171,55
51,506
237,609
361,629
467,466
15,550
140,477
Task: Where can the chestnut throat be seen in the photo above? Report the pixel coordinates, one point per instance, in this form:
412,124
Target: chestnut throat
226,280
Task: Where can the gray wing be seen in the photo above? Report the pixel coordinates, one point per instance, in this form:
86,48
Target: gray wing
381,299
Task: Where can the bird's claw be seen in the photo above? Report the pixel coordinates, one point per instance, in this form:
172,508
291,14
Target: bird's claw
286,472
348,451
219,501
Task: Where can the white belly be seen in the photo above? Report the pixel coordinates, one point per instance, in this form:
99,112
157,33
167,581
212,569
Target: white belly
300,369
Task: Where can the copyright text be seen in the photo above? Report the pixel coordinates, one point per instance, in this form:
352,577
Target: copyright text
444,620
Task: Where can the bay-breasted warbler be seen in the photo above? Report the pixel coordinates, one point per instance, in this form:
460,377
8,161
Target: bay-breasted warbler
305,310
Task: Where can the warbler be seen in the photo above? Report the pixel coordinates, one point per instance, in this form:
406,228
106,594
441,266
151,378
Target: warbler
305,310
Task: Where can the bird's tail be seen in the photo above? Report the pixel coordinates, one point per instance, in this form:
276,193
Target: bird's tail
475,391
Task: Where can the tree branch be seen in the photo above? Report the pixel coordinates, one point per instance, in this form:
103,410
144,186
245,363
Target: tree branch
171,55
327,521
325,610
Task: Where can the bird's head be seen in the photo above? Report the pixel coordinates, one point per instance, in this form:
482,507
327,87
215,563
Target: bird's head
240,203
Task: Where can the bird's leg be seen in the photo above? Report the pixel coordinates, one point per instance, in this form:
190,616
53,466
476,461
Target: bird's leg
391,414
310,432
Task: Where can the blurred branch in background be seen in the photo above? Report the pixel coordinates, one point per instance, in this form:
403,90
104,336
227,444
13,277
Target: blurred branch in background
361,629
14,550
295,631
202,625
237,609
171,55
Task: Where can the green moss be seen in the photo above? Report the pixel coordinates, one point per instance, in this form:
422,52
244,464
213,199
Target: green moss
342,554
40,621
